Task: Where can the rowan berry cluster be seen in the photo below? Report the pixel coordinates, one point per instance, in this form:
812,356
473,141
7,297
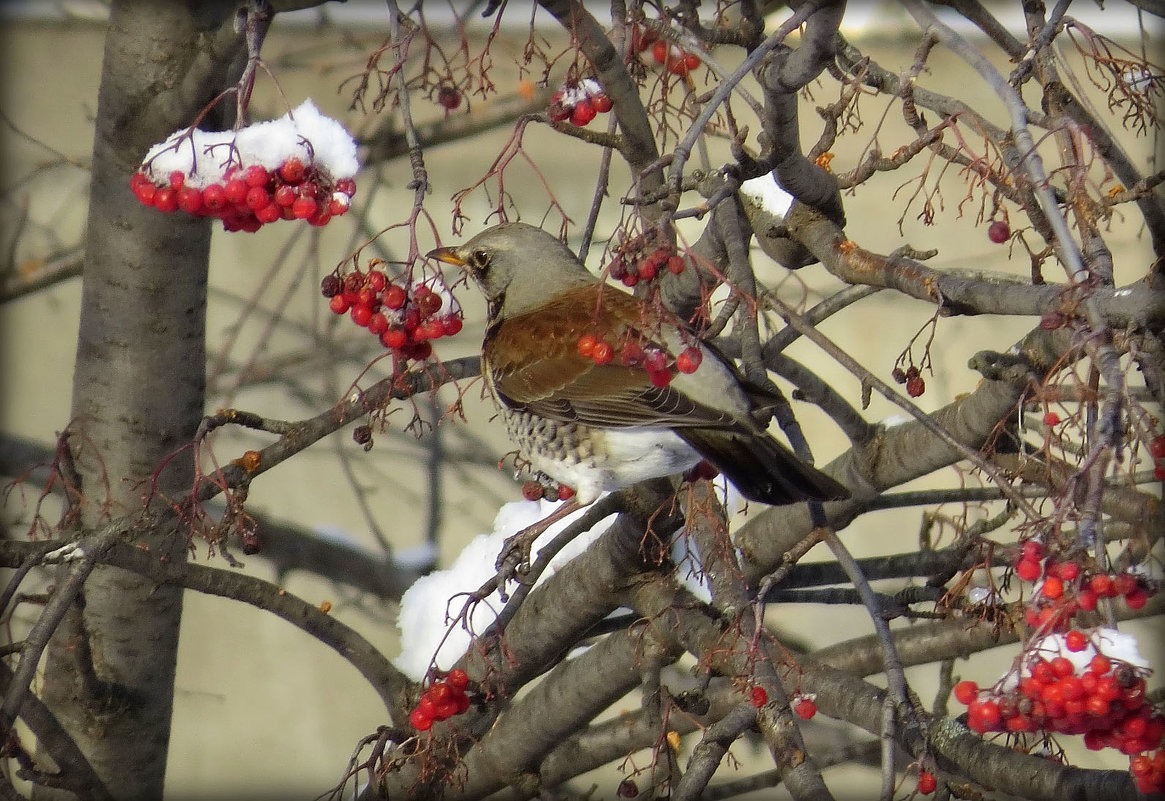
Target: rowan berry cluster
633,262
671,57
1067,588
441,700
579,102
805,705
1097,697
300,166
915,386
404,317
656,361
248,198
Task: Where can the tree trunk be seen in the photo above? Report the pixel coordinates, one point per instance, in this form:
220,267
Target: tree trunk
138,391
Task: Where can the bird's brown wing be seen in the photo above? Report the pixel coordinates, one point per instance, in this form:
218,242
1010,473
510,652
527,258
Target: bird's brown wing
534,364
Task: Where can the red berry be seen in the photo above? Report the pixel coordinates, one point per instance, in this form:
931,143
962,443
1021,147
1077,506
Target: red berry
1051,419
256,176
675,264
292,170
339,304
269,213
1075,640
966,692
1053,588
286,195
1042,671
448,98
999,232
647,269
1033,550
565,493
915,386
689,360
458,678
586,345
1136,599
532,490
1157,447
1102,585
602,103
805,708
236,191
631,354
603,353
1086,600
1062,666
1069,571
927,783
691,60
394,297
420,721
376,280
583,113
659,51
655,361
166,199
190,199
453,325
660,378
1028,569
557,112
304,207
145,192
1124,583
177,180
346,186
983,716
394,339
428,302
758,697
257,198
214,197
361,315
378,324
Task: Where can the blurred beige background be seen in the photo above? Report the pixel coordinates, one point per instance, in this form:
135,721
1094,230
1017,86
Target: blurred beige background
260,706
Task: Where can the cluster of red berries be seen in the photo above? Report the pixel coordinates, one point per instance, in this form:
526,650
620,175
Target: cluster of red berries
672,57
1104,701
404,318
999,232
249,198
536,490
915,386
656,361
579,102
1157,451
631,266
441,700
1067,588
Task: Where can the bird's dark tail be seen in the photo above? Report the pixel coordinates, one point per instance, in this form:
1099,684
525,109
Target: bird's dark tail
761,468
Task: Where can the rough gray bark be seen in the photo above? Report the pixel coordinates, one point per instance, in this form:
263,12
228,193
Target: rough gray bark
137,392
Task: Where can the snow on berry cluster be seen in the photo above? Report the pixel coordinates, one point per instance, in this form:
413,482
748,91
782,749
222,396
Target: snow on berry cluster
300,166
671,57
441,700
1090,683
579,102
656,361
404,316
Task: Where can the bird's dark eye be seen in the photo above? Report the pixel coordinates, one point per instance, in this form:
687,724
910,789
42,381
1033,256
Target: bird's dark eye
479,259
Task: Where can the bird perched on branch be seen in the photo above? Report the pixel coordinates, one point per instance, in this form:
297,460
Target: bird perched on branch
584,375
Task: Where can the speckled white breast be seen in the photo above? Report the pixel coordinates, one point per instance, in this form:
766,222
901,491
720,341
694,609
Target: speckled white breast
595,460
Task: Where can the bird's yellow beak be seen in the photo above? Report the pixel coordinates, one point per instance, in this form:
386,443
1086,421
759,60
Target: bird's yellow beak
446,255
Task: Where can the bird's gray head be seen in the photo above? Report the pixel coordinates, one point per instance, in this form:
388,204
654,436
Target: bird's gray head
517,267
